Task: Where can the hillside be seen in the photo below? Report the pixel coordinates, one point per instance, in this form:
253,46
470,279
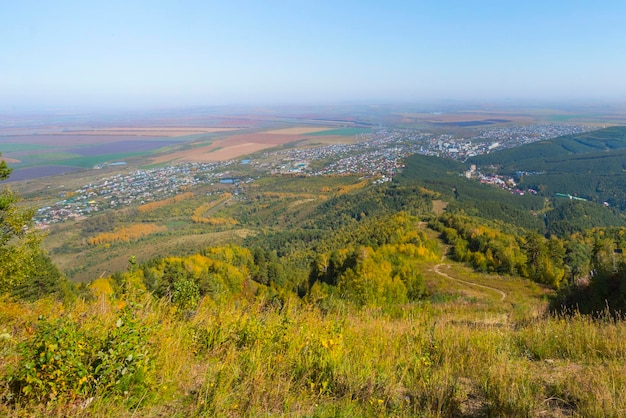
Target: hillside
220,344
431,295
445,178
590,165
540,156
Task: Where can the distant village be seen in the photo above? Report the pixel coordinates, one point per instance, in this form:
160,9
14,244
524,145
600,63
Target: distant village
497,138
378,155
137,187
499,181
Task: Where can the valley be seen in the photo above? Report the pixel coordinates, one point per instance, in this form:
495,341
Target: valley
335,270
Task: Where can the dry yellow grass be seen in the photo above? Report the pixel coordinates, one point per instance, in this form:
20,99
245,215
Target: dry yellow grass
439,206
200,212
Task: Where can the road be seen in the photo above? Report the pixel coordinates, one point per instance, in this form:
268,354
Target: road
437,269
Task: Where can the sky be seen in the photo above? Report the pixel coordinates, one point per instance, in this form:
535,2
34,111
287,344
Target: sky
175,53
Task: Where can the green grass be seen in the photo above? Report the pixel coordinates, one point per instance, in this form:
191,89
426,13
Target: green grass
75,160
13,147
52,156
567,118
247,356
90,161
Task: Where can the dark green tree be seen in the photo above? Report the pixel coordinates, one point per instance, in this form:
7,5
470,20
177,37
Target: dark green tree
46,279
19,240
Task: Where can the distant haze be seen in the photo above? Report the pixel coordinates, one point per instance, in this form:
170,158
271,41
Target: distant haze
168,53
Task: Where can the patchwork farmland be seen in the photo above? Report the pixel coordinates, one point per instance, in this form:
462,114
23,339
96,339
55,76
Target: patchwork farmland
51,150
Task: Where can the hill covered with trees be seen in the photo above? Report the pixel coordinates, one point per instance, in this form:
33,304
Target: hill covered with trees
589,165
541,155
431,295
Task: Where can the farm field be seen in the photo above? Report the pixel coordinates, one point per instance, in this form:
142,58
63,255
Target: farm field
341,132
237,145
38,149
297,131
36,152
35,156
152,131
460,118
228,148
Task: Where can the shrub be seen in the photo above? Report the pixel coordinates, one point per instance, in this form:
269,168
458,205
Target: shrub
63,362
55,363
122,365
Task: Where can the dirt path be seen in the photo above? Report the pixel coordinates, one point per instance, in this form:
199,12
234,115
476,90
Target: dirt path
437,270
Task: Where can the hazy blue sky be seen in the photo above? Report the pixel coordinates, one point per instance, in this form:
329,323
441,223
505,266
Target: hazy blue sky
171,53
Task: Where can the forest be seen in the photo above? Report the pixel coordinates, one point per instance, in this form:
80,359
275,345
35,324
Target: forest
432,295
589,165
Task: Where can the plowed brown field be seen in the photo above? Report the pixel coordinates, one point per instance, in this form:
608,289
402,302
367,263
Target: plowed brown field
229,148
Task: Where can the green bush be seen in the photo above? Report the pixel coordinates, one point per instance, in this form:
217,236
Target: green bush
55,363
63,362
123,365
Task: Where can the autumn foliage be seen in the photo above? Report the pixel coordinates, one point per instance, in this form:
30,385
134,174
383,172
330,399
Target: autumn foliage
126,234
347,189
165,202
199,218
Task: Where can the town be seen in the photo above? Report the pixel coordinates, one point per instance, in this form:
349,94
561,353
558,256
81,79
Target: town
378,155
140,186
492,138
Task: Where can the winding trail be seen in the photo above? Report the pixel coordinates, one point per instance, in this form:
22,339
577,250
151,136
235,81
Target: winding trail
437,270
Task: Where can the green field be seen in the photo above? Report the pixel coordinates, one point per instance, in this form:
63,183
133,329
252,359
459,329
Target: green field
48,157
341,132
14,147
90,161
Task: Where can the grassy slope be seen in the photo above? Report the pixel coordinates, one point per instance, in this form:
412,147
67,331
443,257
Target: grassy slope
462,352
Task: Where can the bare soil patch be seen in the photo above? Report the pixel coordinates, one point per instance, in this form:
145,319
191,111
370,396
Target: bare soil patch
439,206
330,140
228,148
10,160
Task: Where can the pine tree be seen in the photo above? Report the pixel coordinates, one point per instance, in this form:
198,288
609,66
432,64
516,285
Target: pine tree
19,241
